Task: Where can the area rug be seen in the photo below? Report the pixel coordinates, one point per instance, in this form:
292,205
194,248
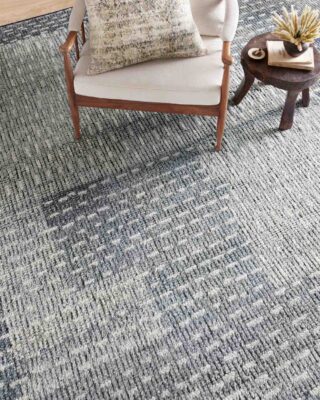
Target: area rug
138,263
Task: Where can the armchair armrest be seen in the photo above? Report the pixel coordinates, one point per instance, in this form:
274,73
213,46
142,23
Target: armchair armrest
230,21
71,40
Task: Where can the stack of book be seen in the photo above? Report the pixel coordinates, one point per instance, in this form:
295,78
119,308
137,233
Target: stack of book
278,57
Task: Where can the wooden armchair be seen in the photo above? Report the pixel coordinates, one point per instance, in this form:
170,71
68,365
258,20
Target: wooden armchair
198,86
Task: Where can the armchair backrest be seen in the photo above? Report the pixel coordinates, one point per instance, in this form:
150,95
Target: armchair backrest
209,16
216,17
213,17
77,14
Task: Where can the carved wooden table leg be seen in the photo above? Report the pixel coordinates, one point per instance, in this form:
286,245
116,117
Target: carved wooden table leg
306,97
243,88
288,111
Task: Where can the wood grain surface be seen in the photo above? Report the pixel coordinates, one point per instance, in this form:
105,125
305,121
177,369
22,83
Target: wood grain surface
19,10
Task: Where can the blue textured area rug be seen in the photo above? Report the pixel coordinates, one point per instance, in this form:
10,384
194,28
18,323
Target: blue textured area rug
139,264
140,285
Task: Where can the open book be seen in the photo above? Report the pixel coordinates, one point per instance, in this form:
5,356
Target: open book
278,57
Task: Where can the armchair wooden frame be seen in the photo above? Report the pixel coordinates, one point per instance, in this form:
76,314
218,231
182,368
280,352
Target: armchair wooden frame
76,101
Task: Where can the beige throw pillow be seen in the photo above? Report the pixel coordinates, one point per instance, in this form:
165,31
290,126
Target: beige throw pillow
126,32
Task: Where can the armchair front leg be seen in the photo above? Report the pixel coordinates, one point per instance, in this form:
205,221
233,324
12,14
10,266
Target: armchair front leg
65,49
227,62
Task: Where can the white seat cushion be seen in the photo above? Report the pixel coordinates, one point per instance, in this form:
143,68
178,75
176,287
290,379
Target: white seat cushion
193,81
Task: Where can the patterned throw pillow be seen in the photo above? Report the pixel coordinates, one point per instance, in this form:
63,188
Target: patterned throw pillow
126,32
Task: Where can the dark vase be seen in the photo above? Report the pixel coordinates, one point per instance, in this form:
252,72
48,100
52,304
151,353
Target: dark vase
293,50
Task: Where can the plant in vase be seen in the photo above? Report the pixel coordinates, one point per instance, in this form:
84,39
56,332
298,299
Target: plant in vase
297,32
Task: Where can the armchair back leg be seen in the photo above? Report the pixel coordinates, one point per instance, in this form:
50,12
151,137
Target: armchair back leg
227,60
220,129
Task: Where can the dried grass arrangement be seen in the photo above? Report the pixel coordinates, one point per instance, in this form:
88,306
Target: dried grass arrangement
298,30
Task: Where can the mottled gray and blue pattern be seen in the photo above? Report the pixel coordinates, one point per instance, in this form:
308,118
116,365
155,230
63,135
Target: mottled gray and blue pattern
139,264
9,377
33,27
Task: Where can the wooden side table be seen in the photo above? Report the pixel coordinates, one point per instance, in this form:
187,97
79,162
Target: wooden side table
292,80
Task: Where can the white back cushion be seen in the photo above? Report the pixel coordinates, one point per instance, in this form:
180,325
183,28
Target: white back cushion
209,16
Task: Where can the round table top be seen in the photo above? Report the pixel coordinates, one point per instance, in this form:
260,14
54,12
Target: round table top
284,78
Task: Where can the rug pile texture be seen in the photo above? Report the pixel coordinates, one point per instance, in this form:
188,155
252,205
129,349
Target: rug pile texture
139,264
